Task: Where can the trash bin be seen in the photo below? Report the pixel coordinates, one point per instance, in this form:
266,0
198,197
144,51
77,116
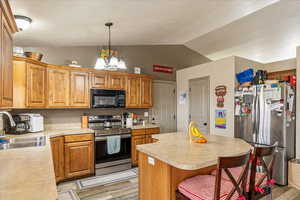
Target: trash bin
294,173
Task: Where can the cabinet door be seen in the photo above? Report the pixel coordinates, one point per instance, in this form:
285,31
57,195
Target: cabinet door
99,79
146,92
7,68
79,159
136,140
116,81
133,95
36,81
57,146
79,94
58,82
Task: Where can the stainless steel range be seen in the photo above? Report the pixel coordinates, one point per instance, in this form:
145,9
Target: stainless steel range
105,126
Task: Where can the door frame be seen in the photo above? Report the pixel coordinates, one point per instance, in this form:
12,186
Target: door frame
208,100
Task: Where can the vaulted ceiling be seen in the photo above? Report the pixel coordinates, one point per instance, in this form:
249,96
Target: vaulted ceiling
263,30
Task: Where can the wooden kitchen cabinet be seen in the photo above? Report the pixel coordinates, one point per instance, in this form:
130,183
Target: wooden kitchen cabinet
99,80
58,82
57,146
133,94
79,93
136,140
73,156
146,92
116,81
79,159
36,86
141,136
7,28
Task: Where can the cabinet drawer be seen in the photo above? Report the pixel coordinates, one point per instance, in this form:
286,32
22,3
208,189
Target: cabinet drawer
138,132
152,130
79,138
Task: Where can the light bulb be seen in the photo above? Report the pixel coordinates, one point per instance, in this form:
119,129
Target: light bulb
113,62
122,64
100,63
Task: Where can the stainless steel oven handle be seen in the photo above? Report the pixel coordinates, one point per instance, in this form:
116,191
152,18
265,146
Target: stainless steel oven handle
103,138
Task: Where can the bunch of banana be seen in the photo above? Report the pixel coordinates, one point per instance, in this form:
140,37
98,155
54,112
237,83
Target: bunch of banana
198,134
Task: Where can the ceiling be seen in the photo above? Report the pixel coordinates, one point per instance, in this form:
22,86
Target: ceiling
137,22
268,35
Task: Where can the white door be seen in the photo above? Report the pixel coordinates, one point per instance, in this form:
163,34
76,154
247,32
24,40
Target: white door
199,103
164,105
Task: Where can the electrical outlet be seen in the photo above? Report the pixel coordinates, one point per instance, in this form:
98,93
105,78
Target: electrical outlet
151,161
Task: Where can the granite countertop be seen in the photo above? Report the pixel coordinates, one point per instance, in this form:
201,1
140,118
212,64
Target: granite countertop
28,173
176,150
140,126
55,133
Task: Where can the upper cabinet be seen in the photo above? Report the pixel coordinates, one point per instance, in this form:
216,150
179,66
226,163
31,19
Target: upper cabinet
7,28
99,79
40,85
58,82
79,89
146,92
139,92
35,86
133,93
117,81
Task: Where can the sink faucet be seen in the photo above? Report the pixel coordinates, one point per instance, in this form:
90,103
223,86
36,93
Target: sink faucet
11,121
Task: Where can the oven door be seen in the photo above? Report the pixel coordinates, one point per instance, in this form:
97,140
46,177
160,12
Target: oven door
107,98
101,155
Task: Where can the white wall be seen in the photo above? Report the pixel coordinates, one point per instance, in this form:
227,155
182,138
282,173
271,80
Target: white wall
220,72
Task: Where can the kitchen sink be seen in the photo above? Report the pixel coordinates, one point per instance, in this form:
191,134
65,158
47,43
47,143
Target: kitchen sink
22,142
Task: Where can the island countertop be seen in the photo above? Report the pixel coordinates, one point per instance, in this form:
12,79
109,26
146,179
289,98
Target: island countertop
175,149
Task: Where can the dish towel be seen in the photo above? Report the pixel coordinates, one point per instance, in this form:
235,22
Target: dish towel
113,144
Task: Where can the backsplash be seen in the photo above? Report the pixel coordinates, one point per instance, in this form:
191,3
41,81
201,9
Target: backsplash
71,118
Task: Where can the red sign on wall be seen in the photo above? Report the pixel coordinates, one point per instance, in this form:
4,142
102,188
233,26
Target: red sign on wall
163,69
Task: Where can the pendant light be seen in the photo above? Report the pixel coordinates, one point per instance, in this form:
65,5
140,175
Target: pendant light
108,60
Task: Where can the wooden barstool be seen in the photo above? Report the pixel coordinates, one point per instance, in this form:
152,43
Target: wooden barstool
256,191
209,187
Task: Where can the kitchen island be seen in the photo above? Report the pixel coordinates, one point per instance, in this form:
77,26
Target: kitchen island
170,160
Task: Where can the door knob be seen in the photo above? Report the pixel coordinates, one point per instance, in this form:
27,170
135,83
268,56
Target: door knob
205,124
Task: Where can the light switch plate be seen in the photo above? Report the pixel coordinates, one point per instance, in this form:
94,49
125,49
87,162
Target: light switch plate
151,161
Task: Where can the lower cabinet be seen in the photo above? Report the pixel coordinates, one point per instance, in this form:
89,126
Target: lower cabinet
141,136
79,159
73,156
57,146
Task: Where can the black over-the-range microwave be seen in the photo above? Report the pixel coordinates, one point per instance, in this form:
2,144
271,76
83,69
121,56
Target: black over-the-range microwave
107,98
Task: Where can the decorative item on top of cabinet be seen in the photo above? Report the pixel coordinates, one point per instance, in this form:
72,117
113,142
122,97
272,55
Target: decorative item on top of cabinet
133,95
99,79
7,28
79,156
58,82
57,146
79,93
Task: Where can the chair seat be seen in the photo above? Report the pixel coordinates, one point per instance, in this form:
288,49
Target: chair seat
236,172
202,188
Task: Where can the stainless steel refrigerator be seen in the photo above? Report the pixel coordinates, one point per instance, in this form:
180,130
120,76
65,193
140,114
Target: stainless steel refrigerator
265,114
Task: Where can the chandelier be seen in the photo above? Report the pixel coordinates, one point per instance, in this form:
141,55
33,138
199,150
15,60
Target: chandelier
108,59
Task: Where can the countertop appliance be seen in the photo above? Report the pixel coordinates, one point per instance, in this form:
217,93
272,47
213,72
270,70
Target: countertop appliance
22,124
265,114
107,98
105,126
36,121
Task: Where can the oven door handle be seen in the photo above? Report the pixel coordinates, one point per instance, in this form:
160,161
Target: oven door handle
104,138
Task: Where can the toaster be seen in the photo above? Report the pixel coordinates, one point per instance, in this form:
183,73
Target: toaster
36,122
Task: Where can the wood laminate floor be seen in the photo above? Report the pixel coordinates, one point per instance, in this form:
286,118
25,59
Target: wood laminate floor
128,190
